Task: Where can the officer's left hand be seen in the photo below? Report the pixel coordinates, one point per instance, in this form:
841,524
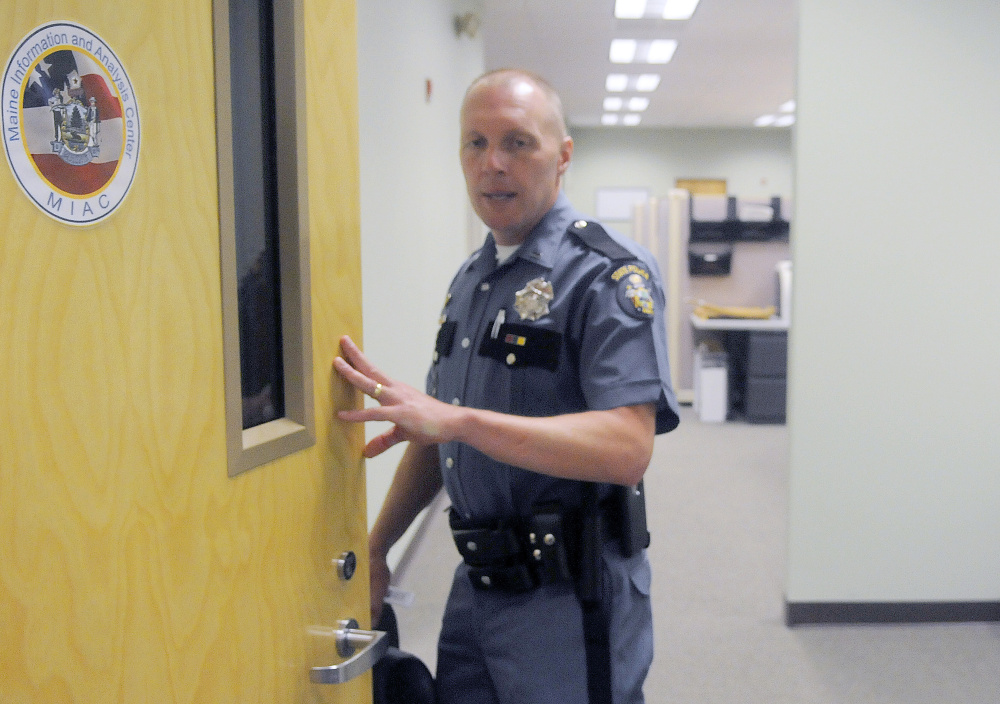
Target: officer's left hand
416,416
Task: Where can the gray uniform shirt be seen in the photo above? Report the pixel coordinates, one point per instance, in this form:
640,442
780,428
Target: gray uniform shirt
573,321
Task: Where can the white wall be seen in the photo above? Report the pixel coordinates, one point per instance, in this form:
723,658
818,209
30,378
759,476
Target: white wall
894,376
755,162
414,211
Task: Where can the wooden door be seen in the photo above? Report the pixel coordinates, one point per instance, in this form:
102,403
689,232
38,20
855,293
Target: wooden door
132,568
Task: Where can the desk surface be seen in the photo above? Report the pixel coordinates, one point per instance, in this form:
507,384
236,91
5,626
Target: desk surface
738,323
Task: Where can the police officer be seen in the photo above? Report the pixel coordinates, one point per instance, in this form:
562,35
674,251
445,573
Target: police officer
548,384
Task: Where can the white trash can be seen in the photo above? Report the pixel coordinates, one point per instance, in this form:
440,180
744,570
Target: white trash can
711,384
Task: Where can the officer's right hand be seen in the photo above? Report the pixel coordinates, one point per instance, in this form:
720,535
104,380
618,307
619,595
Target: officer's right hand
416,417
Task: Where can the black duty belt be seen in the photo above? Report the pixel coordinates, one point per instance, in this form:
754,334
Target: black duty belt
519,555
554,544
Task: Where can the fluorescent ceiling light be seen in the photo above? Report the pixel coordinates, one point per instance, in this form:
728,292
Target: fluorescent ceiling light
647,82
785,121
657,9
609,119
623,51
612,104
679,9
630,9
787,107
765,120
631,120
638,104
616,82
644,51
621,82
661,51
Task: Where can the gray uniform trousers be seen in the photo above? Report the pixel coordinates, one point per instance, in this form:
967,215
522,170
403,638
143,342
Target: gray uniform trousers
527,648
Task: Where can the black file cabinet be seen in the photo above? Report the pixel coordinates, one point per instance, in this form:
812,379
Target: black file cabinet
758,370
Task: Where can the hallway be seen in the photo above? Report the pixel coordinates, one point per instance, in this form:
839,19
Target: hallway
717,502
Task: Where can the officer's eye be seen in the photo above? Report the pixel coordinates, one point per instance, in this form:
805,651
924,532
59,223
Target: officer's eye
476,142
519,142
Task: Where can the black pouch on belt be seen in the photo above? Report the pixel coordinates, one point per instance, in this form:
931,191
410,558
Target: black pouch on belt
631,505
484,545
494,555
548,544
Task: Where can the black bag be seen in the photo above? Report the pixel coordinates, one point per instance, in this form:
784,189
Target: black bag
399,677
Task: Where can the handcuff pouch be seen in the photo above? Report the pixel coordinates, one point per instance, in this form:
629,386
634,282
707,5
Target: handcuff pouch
548,544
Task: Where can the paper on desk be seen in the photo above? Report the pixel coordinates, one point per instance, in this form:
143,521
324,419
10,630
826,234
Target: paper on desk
706,310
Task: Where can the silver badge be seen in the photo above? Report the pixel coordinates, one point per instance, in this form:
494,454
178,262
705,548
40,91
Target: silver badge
532,301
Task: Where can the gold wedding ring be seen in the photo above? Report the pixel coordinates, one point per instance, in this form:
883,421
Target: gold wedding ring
378,391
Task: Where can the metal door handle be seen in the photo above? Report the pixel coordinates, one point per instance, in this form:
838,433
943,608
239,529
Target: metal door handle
350,637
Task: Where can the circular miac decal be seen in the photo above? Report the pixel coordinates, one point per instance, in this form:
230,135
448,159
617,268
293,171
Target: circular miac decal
70,123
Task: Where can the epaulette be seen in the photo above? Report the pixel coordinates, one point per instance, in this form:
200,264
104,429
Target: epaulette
597,238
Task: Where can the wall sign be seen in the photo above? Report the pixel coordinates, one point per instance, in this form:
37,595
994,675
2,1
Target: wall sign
618,203
70,123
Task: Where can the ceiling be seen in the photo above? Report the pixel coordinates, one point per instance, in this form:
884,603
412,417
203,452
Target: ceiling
735,59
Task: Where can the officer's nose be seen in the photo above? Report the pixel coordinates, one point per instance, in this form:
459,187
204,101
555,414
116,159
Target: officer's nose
496,160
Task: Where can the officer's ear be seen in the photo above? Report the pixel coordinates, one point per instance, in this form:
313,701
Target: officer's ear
565,154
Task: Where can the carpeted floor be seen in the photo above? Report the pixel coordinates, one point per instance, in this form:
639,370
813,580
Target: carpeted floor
716,497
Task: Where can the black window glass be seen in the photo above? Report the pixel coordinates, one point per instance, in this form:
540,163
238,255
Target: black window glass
255,184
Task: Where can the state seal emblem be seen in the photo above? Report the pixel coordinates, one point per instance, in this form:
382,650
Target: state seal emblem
633,291
70,123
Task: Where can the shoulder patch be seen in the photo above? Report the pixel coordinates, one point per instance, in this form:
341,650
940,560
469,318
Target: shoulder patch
594,236
632,291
